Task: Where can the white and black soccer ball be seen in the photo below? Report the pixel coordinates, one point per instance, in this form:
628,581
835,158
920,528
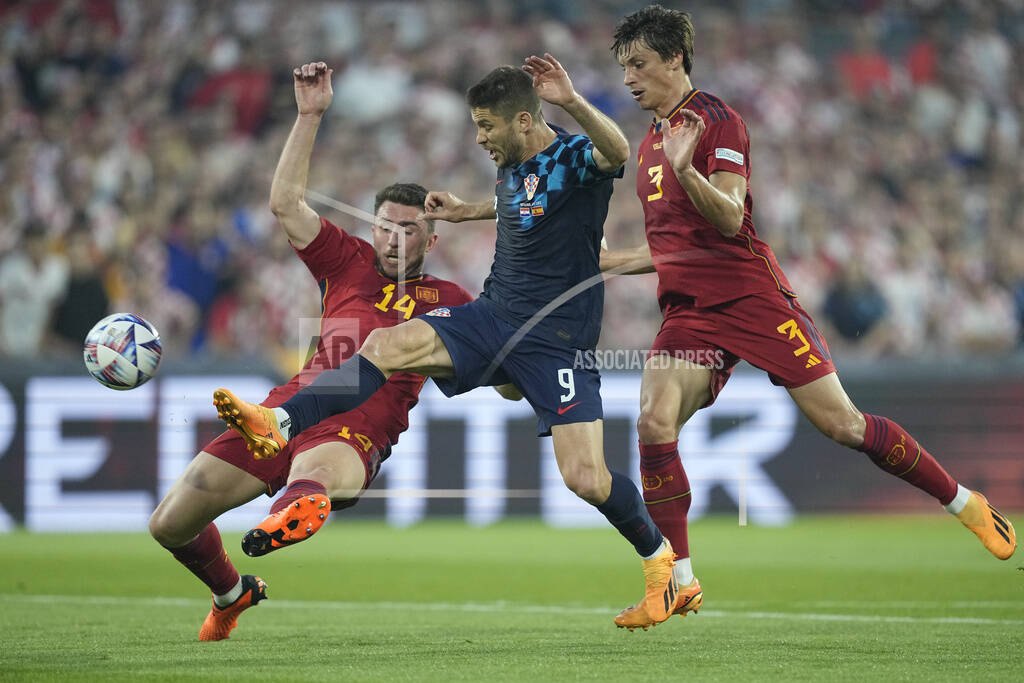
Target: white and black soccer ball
122,351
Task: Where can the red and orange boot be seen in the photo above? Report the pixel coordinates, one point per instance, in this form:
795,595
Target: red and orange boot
221,620
689,599
297,522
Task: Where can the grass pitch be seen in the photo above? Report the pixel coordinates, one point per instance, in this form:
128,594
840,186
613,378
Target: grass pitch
828,598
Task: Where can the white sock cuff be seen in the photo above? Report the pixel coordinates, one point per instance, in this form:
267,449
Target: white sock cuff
683,571
659,551
230,596
959,501
284,422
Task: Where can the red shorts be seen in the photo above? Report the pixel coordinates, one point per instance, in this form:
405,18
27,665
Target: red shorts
353,428
769,330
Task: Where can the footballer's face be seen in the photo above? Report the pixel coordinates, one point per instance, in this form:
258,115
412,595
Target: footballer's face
400,241
654,83
505,141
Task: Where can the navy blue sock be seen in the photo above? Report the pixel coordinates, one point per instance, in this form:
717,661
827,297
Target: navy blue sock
334,391
626,511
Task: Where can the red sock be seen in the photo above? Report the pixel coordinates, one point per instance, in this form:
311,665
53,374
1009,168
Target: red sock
297,489
205,557
891,448
666,492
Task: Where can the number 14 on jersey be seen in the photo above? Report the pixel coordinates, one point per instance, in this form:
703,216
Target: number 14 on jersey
404,305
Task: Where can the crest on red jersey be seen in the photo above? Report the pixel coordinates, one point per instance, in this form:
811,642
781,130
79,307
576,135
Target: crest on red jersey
530,182
427,295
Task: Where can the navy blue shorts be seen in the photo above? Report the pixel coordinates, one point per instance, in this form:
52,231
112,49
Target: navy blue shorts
544,372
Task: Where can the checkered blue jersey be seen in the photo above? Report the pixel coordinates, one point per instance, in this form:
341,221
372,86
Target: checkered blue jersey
550,213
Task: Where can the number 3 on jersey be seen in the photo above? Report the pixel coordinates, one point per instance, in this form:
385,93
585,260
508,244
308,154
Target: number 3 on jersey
404,305
655,173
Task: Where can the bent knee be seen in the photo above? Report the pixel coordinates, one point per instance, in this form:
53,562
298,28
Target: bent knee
390,348
379,343
656,427
164,531
589,483
845,430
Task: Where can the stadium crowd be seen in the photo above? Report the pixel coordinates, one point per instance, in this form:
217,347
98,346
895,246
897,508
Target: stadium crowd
139,139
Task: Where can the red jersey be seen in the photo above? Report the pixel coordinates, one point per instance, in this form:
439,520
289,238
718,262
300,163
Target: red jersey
355,299
698,266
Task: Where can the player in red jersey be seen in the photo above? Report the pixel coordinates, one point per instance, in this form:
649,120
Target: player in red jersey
363,287
724,298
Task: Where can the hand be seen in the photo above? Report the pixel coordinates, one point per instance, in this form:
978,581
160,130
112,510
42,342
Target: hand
550,80
313,92
680,142
443,206
509,392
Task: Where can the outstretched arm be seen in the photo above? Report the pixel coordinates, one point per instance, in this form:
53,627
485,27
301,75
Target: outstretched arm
635,261
447,207
551,81
313,95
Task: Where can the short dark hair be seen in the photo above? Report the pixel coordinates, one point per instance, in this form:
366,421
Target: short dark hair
505,91
668,32
406,194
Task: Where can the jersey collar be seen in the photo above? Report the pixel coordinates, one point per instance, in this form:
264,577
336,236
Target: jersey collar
675,110
517,170
400,282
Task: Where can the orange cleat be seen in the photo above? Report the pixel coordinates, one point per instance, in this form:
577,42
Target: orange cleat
221,620
297,522
690,599
989,525
257,425
660,596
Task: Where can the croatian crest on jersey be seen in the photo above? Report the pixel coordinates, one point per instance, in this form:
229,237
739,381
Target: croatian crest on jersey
441,312
530,182
427,295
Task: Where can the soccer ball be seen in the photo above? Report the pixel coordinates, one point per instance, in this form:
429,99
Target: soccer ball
122,351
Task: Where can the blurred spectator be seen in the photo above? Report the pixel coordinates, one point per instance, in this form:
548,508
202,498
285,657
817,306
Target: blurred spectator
865,68
32,279
854,306
978,315
85,299
143,135
240,319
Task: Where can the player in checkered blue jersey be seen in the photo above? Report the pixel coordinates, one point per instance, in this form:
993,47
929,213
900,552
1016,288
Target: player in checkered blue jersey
541,304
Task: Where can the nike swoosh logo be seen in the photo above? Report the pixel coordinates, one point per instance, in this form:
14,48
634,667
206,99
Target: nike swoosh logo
565,409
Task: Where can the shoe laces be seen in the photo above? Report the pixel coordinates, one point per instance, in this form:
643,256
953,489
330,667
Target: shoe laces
657,571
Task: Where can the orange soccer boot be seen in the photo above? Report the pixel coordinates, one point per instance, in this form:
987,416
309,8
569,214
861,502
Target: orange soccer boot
257,425
690,598
989,525
221,620
297,522
659,597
